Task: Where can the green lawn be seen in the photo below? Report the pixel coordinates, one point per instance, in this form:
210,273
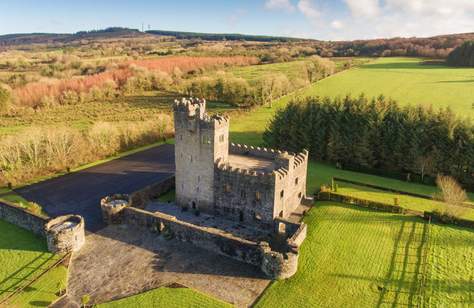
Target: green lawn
354,257
406,80
167,297
23,256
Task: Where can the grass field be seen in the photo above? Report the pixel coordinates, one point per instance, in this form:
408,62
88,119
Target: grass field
23,256
167,297
406,80
353,257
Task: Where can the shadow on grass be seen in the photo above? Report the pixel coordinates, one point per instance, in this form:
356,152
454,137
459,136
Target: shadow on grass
402,65
456,81
24,274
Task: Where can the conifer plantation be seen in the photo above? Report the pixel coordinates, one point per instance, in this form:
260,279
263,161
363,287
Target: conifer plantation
378,136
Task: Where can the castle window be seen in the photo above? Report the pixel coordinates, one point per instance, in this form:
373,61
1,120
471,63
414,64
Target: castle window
227,188
191,158
206,140
281,214
299,195
242,194
258,196
296,181
180,137
282,194
221,138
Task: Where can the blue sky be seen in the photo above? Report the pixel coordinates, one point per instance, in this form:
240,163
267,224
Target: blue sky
319,19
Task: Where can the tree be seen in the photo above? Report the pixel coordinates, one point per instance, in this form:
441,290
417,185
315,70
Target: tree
462,55
452,194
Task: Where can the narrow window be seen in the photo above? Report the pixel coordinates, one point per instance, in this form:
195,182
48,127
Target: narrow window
241,216
282,194
194,205
258,196
281,214
206,139
299,195
221,138
180,137
191,158
296,181
242,194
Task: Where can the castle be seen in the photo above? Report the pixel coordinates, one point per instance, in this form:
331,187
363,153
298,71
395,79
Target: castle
247,184
239,201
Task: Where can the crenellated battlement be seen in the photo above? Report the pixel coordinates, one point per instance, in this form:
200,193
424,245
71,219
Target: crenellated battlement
261,176
300,159
243,149
214,121
190,106
269,176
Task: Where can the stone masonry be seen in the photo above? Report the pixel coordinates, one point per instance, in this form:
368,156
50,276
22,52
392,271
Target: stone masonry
244,183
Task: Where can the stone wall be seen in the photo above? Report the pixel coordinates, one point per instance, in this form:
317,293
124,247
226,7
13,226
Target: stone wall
20,217
276,265
224,244
243,196
140,198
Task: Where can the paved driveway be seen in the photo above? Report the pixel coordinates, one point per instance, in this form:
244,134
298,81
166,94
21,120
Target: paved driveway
80,192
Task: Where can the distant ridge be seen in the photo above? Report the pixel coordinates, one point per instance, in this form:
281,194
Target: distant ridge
224,36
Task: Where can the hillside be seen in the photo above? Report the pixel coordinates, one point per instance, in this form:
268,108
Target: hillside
429,47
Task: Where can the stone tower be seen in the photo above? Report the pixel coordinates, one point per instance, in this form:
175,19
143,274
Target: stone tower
200,140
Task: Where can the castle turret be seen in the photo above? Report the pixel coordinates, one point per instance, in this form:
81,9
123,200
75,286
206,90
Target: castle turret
200,141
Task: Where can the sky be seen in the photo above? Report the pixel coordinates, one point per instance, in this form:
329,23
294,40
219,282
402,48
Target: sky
318,19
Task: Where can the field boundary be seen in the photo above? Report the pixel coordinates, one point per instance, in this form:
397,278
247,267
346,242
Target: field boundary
400,192
36,278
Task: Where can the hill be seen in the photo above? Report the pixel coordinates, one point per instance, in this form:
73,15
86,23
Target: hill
223,36
54,38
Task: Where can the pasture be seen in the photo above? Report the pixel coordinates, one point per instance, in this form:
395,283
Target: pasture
408,81
23,257
359,258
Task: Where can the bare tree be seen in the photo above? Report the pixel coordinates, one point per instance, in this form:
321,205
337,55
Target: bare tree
452,194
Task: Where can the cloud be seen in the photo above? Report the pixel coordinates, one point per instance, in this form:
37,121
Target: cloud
363,8
337,24
284,5
307,8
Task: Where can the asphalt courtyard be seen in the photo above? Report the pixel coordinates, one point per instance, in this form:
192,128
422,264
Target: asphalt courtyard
80,192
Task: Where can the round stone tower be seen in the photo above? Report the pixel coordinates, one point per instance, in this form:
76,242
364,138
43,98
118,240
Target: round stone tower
65,233
112,207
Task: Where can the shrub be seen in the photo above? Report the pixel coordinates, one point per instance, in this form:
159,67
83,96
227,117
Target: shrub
4,98
452,194
42,151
